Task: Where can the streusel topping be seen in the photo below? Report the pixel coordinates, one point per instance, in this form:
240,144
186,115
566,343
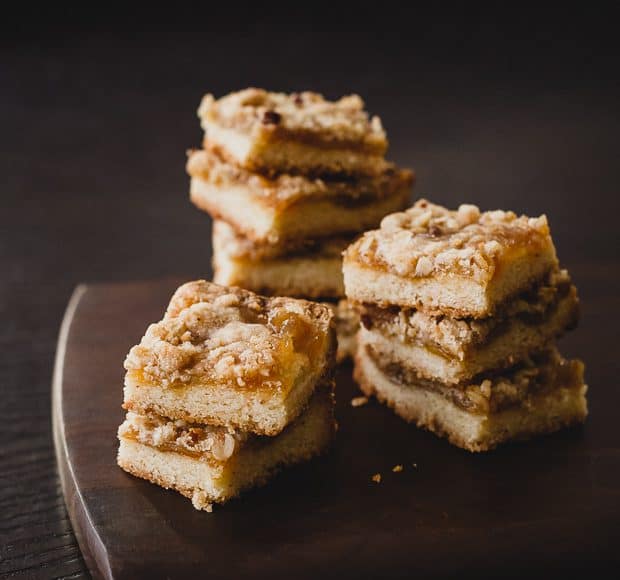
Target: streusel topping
252,110
219,443
217,335
284,189
429,239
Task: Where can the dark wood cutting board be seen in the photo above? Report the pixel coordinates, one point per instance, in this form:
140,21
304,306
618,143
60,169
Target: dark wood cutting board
551,505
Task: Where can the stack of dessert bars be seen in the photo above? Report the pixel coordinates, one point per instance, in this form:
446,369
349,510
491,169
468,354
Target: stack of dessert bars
460,311
228,387
290,180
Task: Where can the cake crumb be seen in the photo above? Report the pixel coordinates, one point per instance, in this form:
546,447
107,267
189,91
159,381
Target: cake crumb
397,468
358,401
209,508
415,465
376,478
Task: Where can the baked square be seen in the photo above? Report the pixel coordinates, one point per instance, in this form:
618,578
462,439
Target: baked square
310,270
541,395
462,263
297,133
214,464
229,357
455,350
286,207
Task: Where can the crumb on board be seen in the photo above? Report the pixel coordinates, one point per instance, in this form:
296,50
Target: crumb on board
376,478
358,401
397,468
415,465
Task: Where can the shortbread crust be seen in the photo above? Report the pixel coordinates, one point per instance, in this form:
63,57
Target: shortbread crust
210,464
311,271
227,356
290,207
300,132
461,263
453,350
486,423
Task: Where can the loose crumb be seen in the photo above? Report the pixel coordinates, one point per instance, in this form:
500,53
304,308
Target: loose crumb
358,401
397,468
415,465
209,508
376,478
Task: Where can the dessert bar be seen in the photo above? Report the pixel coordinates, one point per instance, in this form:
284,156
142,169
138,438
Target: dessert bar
227,356
297,133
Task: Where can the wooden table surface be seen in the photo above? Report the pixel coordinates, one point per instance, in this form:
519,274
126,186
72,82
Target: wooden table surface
93,130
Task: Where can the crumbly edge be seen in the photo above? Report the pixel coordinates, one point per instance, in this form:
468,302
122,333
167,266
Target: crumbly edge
308,436
281,191
490,391
457,337
556,410
429,240
307,115
215,333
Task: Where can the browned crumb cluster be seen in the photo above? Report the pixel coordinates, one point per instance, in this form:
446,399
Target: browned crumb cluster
429,239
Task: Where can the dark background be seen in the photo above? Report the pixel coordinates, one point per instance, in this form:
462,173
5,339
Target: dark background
515,109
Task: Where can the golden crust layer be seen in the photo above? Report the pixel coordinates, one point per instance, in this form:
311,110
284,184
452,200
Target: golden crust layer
544,412
282,191
429,240
458,337
493,392
304,116
232,337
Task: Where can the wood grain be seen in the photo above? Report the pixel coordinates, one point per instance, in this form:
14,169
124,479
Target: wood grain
550,505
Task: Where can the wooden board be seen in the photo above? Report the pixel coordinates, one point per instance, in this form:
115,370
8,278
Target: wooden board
551,505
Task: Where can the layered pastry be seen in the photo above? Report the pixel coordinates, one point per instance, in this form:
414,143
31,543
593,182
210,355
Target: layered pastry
227,356
455,350
225,389
459,313
464,262
308,269
293,207
297,133
212,464
543,394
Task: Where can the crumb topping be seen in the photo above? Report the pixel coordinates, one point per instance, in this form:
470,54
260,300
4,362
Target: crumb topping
219,443
254,110
359,401
284,189
218,335
540,372
454,336
428,240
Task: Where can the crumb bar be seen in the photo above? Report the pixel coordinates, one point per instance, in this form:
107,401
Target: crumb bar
455,350
288,207
214,464
226,356
462,263
542,395
294,133
310,271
